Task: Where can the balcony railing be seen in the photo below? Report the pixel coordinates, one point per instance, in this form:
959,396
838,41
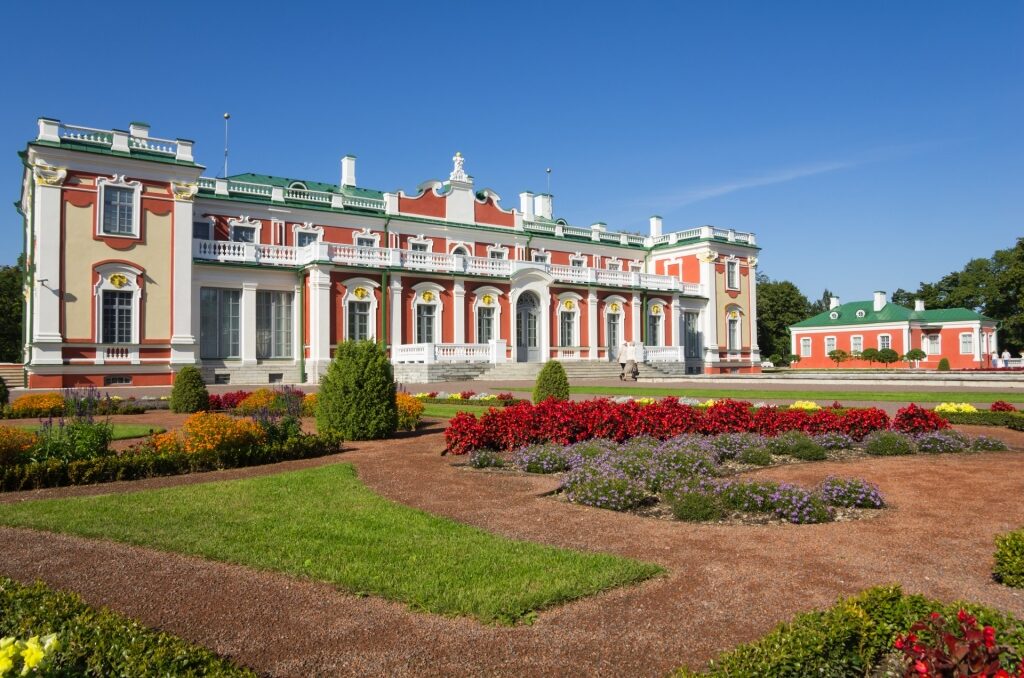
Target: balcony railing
491,352
437,262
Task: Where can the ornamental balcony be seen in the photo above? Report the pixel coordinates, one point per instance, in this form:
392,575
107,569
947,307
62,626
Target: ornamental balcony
226,251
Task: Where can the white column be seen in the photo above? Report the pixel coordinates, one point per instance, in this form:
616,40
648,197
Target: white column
708,280
248,322
459,314
183,342
755,350
46,294
592,322
977,344
676,315
544,326
396,312
319,322
637,318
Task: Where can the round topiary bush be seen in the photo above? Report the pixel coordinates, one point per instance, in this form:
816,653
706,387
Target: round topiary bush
551,383
943,365
189,393
357,394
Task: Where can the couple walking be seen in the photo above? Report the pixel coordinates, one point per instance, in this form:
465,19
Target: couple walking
627,356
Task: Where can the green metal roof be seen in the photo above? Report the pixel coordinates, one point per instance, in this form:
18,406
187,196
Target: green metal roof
890,313
134,154
285,182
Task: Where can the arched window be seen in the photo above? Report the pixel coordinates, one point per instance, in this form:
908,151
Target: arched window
360,309
733,328
118,292
655,323
569,319
487,312
427,310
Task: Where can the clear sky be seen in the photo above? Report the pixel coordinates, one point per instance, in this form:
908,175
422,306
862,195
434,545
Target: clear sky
870,145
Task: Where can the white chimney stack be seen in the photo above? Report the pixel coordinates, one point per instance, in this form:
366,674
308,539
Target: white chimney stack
833,302
526,205
879,301
655,226
918,305
542,205
348,170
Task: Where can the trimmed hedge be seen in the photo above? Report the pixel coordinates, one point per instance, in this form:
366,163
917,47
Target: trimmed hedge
357,394
552,382
189,393
135,465
98,642
1013,420
1009,567
849,639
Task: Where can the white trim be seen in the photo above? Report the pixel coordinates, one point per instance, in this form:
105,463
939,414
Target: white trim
436,302
478,295
497,248
455,244
810,347
878,341
246,222
613,261
835,344
119,181
541,252
576,299
580,257
351,285
732,261
927,338
306,227
421,239
970,335
102,285
661,325
365,233
859,350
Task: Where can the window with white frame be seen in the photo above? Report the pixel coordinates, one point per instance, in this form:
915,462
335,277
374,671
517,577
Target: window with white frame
497,252
307,234
427,313
117,299
691,332
420,244
966,343
484,324
117,317
460,250
805,347
245,229
219,323
201,230
830,344
273,324
636,267
857,344
884,341
119,206
932,344
653,337
426,319
365,241
732,275
578,261
358,320
734,334
539,257
566,328
614,265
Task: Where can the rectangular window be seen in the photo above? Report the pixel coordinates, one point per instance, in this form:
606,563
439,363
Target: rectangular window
805,347
884,341
243,234
856,344
484,324
118,210
117,380
540,258
566,328
425,323
932,344
358,320
418,246
219,311
732,279
653,330
364,241
830,344
117,317
577,263
496,254
273,325
692,342
635,267
735,338
201,230
967,343
303,238
614,266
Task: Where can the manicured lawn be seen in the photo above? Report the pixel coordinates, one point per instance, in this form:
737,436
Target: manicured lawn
324,524
121,431
821,396
444,411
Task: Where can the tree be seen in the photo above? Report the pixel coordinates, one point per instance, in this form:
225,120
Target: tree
12,304
838,356
869,354
887,356
552,382
189,393
915,354
779,305
357,394
792,358
821,305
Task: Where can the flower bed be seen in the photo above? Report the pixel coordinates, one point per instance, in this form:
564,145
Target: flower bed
469,398
73,402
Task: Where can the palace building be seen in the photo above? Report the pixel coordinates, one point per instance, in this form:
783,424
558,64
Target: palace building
138,264
963,337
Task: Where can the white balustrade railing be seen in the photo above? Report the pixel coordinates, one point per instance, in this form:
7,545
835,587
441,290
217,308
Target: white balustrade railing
307,195
570,273
221,250
617,278
117,353
360,256
491,352
427,261
568,353
249,188
87,135
663,354
486,266
276,254
155,145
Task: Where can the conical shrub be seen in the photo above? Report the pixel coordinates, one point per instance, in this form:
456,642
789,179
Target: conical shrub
357,394
551,383
189,393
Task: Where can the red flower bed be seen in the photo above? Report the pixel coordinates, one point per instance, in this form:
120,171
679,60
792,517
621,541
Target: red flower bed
1001,406
914,419
567,421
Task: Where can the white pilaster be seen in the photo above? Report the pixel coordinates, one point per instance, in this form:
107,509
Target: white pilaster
544,326
755,350
637,317
183,342
396,312
248,322
46,293
319,322
707,279
676,314
459,312
592,323
977,344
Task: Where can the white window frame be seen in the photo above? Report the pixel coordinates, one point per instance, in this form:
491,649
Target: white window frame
613,264
246,222
545,256
420,240
809,344
933,341
636,267
651,303
438,312
478,303
105,271
274,328
575,311
730,266
970,337
119,181
456,244
497,249
621,313
861,313
578,260
307,228
351,285
859,338
365,233
884,336
835,343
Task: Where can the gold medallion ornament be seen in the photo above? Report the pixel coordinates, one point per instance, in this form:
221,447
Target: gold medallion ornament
614,308
427,296
359,293
487,300
568,305
118,280
656,309
734,315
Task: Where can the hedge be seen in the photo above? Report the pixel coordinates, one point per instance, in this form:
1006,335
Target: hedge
1009,558
848,639
137,465
98,642
357,394
1013,420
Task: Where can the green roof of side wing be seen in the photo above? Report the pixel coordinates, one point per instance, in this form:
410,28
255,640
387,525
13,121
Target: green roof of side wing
285,182
847,314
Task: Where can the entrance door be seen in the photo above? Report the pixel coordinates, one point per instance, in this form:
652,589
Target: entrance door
614,335
527,311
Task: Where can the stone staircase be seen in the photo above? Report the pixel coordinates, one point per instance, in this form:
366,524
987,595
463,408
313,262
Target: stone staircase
13,374
418,373
216,372
574,369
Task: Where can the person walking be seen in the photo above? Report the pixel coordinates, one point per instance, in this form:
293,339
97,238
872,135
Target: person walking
620,357
1006,357
631,368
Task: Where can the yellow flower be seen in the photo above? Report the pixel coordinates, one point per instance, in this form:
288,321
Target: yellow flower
956,407
805,405
32,654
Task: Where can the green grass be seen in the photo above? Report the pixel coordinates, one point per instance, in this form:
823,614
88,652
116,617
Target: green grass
443,411
324,524
120,431
755,394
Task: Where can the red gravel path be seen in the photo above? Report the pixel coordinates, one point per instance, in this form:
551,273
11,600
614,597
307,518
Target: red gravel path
726,584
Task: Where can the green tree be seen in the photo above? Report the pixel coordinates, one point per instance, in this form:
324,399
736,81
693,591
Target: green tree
12,304
887,356
819,306
779,305
552,382
838,356
357,394
869,354
914,355
189,393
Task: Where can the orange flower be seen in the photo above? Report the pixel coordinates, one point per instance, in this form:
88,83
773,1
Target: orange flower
14,442
210,431
38,404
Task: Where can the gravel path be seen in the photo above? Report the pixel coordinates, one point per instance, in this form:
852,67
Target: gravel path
726,584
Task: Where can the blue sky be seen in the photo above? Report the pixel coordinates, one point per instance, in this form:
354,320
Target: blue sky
870,145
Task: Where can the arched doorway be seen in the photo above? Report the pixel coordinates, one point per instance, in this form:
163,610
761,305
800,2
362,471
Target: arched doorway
527,337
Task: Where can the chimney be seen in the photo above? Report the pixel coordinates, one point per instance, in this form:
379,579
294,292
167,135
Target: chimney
918,305
526,205
655,226
879,301
139,129
542,205
348,170
833,302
